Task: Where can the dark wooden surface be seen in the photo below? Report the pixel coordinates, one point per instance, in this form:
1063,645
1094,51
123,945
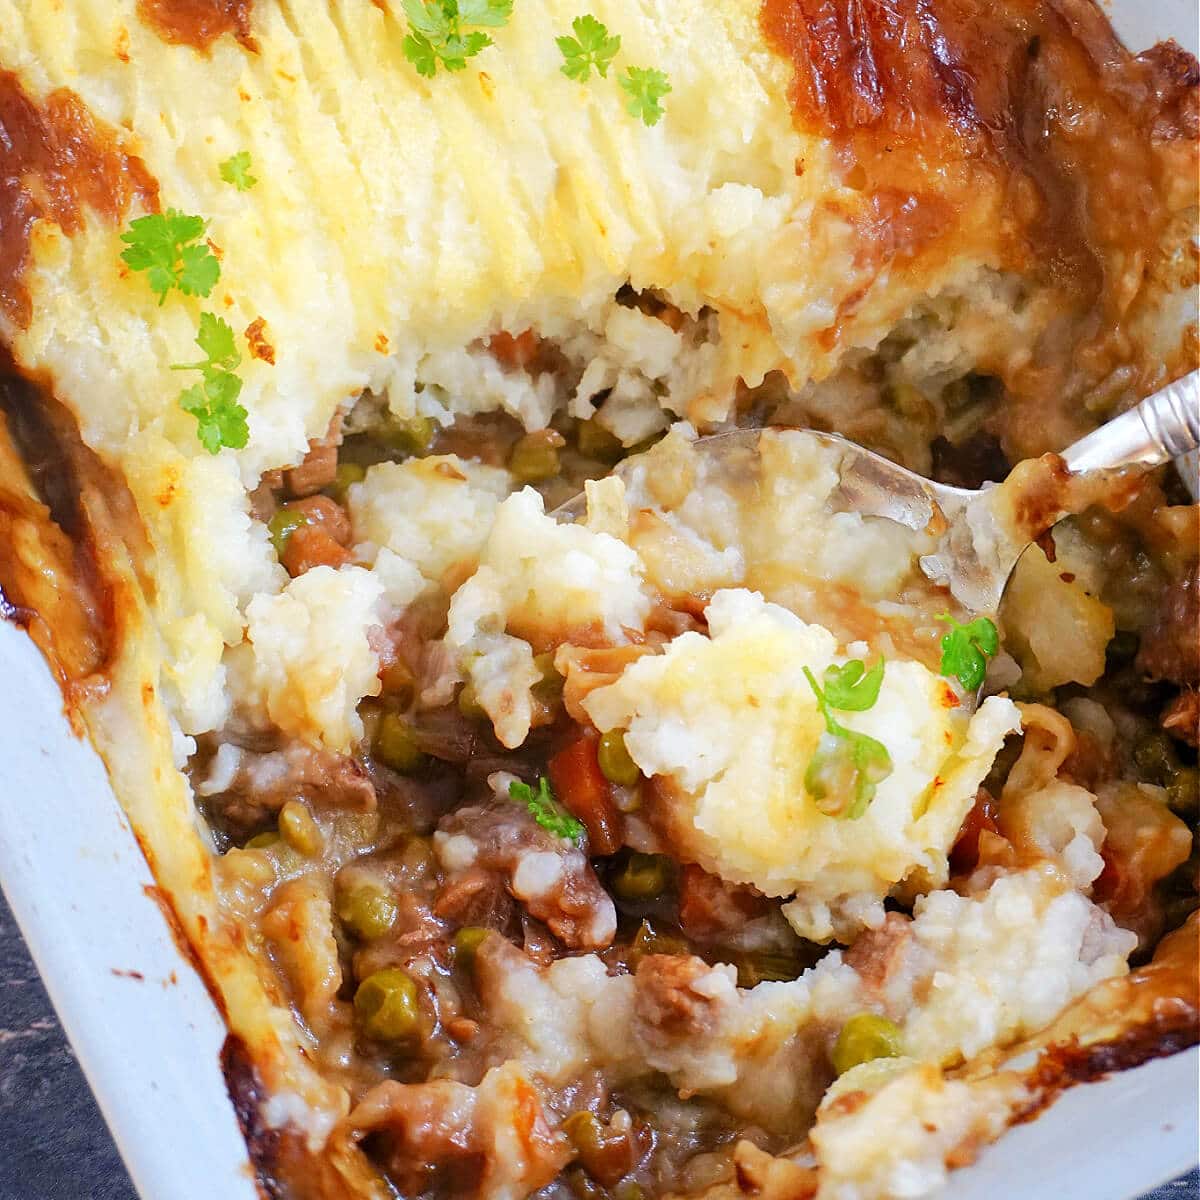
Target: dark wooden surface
53,1141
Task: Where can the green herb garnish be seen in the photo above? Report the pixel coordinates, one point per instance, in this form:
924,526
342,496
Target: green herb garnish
590,47
221,420
846,761
545,810
236,170
644,87
853,688
448,32
167,247
966,649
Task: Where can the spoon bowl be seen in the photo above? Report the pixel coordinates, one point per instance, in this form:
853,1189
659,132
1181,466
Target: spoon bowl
980,534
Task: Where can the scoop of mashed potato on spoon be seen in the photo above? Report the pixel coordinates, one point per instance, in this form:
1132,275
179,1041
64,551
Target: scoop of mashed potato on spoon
729,725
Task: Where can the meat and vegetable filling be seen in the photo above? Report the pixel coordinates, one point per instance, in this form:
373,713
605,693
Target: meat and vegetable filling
652,825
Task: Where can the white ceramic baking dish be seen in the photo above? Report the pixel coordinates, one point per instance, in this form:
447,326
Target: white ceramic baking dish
148,1036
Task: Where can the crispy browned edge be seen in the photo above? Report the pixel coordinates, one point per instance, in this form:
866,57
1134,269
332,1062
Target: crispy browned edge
247,1097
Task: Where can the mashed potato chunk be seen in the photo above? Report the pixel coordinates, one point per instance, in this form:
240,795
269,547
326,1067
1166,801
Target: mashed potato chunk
969,971
312,655
430,513
538,582
728,725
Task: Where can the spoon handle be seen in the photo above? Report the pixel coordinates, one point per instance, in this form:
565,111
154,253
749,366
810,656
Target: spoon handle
1164,426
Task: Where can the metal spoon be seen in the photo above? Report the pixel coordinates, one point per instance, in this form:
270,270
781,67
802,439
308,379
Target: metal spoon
983,533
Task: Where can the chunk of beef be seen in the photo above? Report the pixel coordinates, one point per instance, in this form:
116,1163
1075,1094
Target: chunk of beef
878,954
675,996
322,540
1181,717
443,1138
244,787
1170,648
711,910
502,845
319,468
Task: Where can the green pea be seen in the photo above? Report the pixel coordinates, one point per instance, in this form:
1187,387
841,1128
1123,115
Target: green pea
467,941
641,877
594,441
263,841
368,911
386,1005
282,525
908,400
395,746
550,685
410,435
1183,791
616,764
347,474
417,857
584,1132
863,1038
535,456
1155,758
299,830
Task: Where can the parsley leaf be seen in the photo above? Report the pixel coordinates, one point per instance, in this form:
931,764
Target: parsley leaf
166,246
437,31
590,47
236,170
852,688
846,762
966,649
545,810
645,87
221,420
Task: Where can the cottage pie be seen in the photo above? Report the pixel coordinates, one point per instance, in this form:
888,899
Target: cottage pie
668,850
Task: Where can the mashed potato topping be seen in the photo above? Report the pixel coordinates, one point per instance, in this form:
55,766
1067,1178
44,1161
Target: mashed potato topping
547,583
964,973
728,725
552,582
312,657
430,513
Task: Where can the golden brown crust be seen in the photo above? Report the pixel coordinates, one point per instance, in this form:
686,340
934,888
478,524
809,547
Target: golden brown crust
1152,1012
76,559
51,579
59,162
1087,147
199,23
256,339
